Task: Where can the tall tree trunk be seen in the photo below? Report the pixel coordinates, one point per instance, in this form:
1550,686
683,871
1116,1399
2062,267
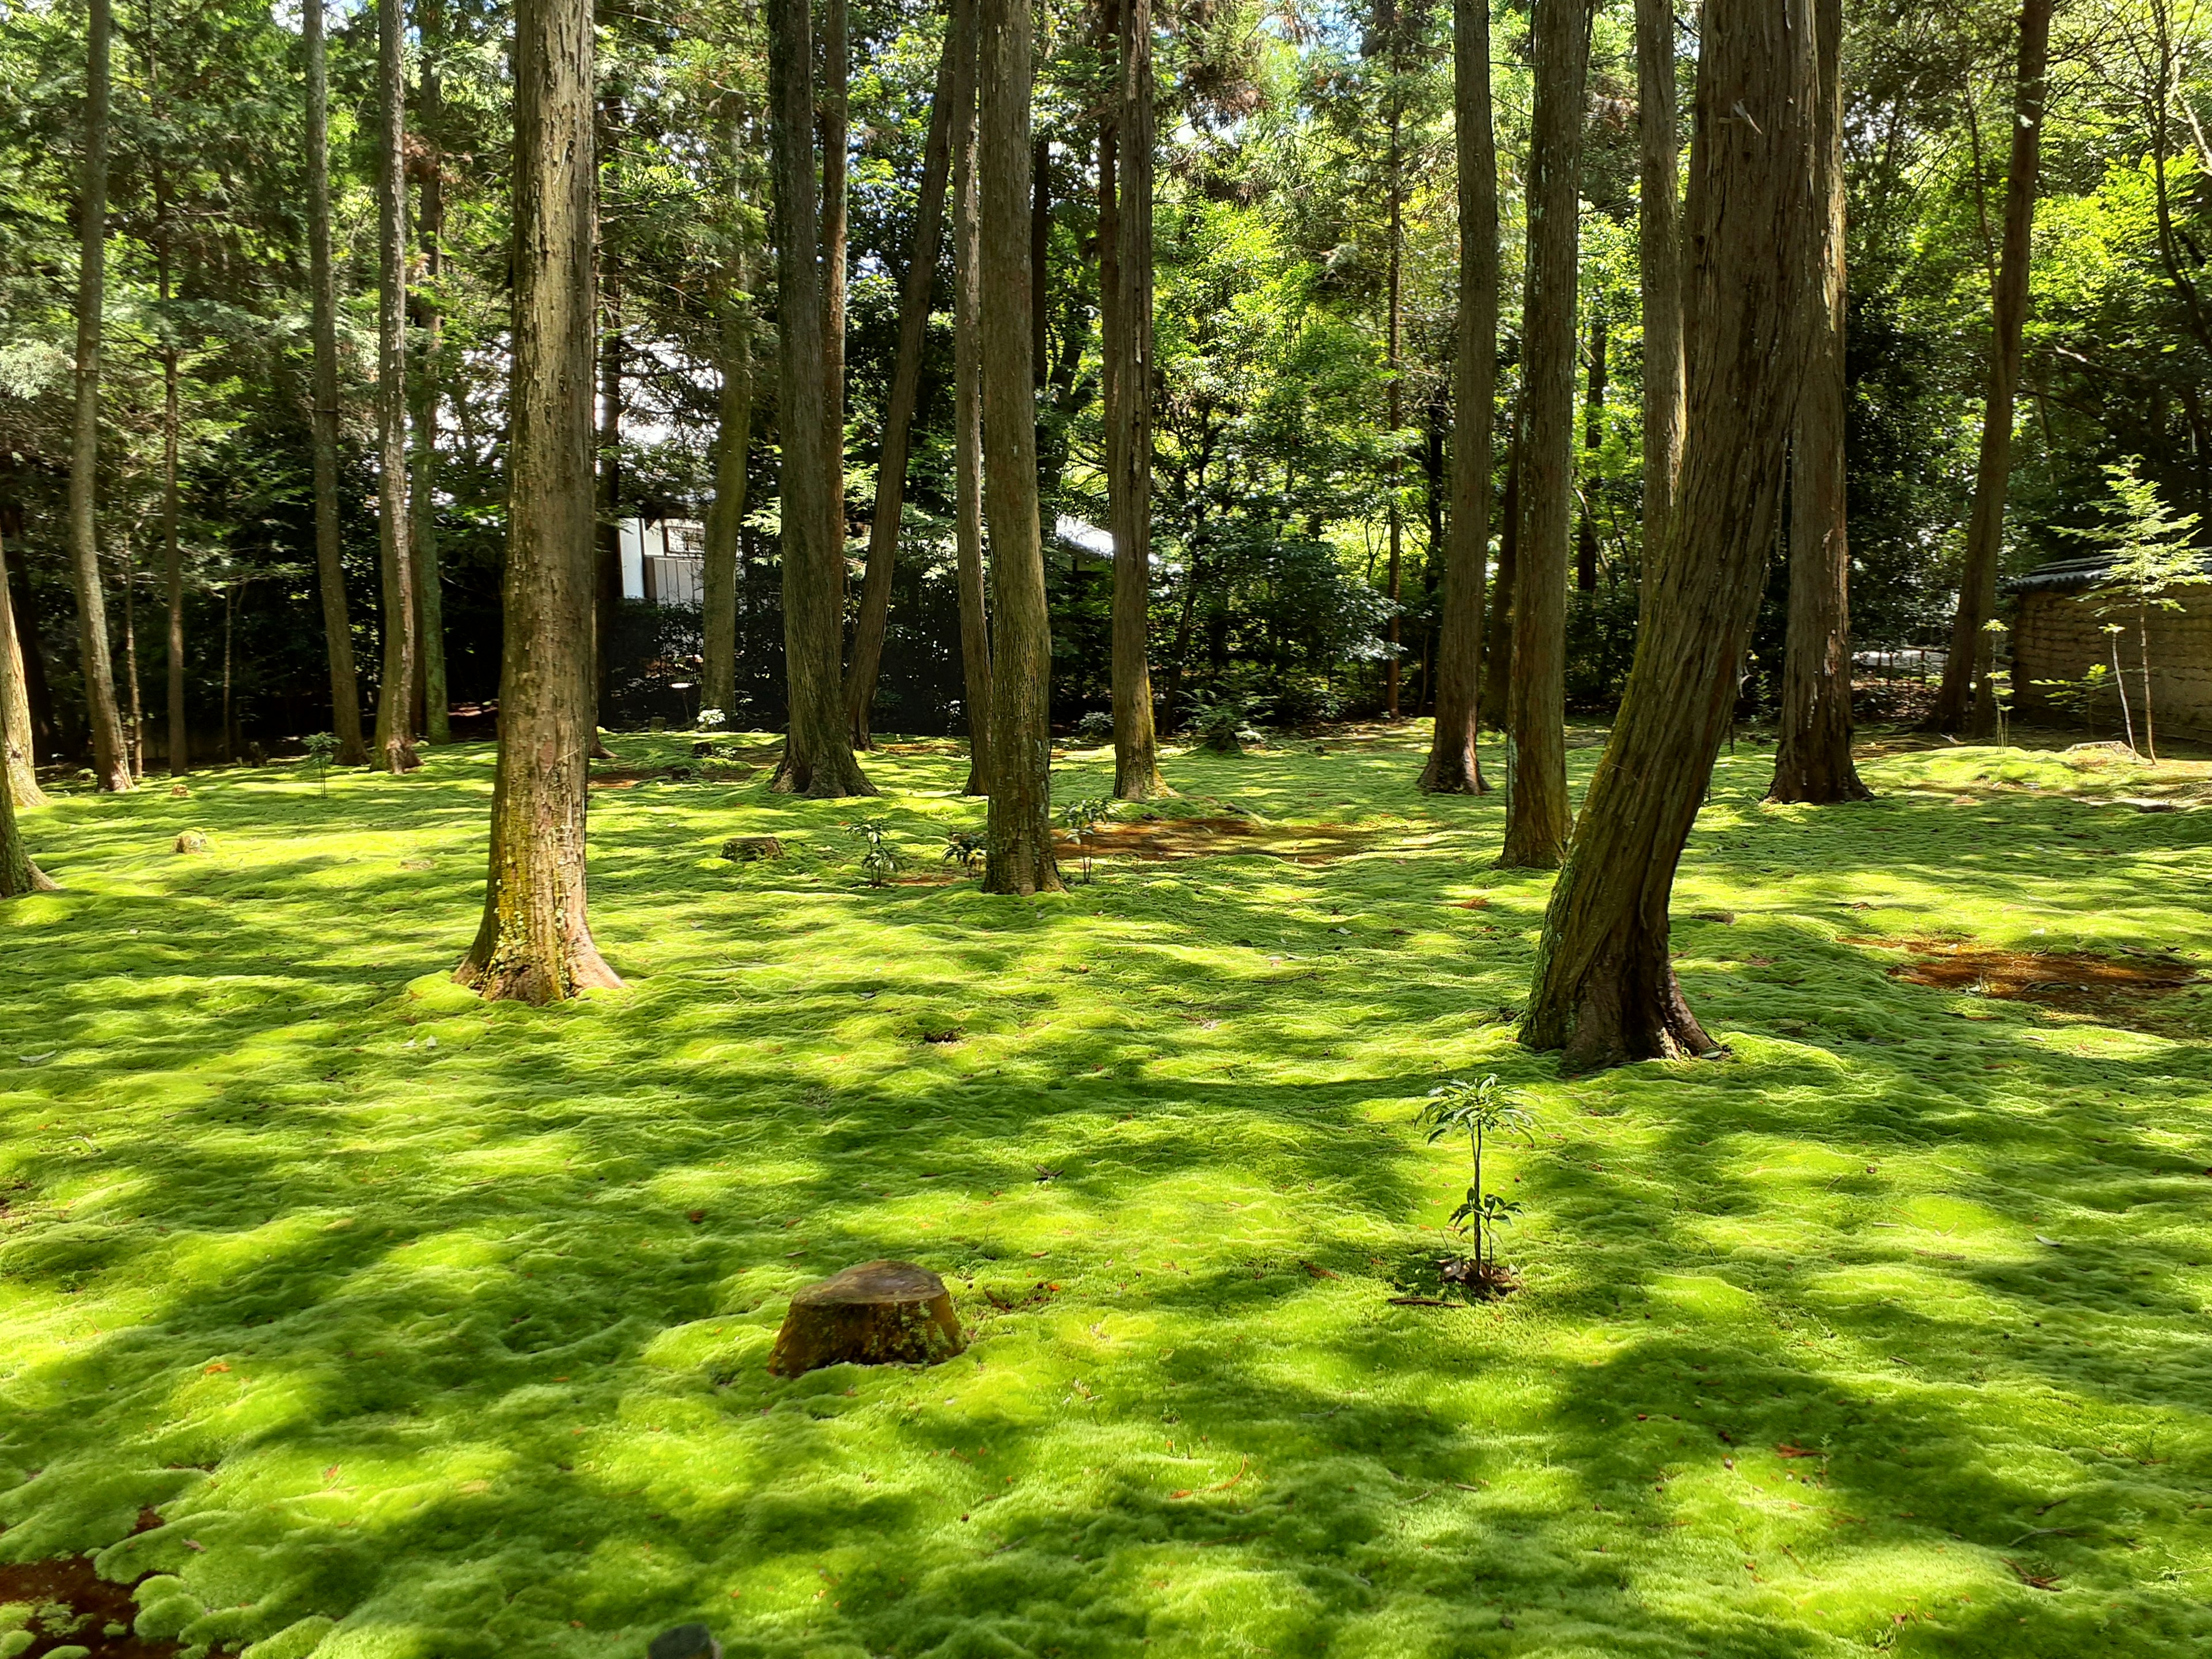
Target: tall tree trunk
1659,249
178,733
535,942
1040,228
431,693
1453,767
733,440
1812,761
1593,442
1605,991
135,727
1018,854
1497,617
395,694
1130,370
18,875
836,212
606,530
1965,698
1394,407
967,400
110,762
21,779
818,757
898,410
330,568
1537,814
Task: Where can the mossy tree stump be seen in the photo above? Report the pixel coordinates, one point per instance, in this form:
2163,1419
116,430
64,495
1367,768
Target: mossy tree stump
880,1313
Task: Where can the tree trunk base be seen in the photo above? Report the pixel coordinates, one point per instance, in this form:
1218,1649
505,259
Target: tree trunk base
1621,1011
34,880
1821,788
1140,783
1451,778
880,1313
834,776
976,786
520,978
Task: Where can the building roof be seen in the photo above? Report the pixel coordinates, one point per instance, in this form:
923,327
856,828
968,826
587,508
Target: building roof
2078,575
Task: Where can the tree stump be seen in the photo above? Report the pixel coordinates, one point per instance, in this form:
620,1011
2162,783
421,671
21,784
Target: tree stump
880,1313
747,849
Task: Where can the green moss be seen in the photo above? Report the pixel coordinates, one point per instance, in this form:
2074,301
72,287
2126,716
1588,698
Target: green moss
393,1307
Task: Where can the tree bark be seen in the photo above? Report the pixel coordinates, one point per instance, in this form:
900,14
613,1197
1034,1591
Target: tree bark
1812,761
432,696
110,761
18,875
836,212
1965,699
1040,229
535,942
1659,246
818,757
968,401
1537,814
1593,441
606,455
733,446
1605,991
330,568
1497,617
898,411
20,782
1394,407
395,693
177,734
1130,371
1454,767
1018,853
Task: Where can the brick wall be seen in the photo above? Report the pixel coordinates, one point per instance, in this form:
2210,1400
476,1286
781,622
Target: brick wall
2057,636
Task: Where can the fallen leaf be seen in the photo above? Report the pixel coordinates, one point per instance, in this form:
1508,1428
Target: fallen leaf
212,1370
1788,1450
1317,1270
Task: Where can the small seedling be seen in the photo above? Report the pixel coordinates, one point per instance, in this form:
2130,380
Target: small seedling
1479,1109
1082,816
965,848
881,862
712,719
320,746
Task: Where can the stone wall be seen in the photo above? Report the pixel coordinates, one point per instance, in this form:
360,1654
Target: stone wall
2057,635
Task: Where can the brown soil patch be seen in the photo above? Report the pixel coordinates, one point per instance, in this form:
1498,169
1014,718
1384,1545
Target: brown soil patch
2113,990
1184,838
76,1605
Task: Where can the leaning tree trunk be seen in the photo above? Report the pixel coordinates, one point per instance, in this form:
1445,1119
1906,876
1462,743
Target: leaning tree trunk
110,757
818,757
21,779
1454,767
330,569
1019,855
967,402
1605,991
1965,698
395,691
1659,249
535,942
1537,813
1130,368
1812,761
898,412
18,875
733,441
431,695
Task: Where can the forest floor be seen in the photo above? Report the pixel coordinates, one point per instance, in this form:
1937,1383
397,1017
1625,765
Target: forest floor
375,1324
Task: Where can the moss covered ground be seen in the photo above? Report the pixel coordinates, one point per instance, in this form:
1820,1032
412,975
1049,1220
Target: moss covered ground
371,1322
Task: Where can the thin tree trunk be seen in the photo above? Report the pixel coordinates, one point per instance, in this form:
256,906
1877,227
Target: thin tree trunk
20,783
1659,239
1605,991
330,569
818,757
1454,767
535,942
18,875
1813,760
1965,697
1498,618
111,762
432,695
135,728
1593,441
1018,853
1394,407
898,411
836,210
395,693
1537,813
607,454
968,401
1130,371
733,446
172,560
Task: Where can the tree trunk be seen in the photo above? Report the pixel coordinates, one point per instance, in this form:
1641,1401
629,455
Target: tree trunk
1453,767
535,942
1019,855
134,728
395,692
1812,761
20,782
330,569
836,212
111,762
178,731
818,757
968,401
18,875
1394,407
733,446
1040,228
1130,370
1537,814
898,411
1498,618
1965,697
431,694
1593,442
1659,233
606,529
1605,991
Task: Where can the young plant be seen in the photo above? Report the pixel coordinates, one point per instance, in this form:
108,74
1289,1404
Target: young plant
965,848
320,746
1480,1110
712,719
1223,718
2079,696
2112,632
1082,816
880,861
2152,552
1999,679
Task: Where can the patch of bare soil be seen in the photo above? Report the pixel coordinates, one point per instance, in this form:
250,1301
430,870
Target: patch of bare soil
76,1608
2122,991
1184,838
